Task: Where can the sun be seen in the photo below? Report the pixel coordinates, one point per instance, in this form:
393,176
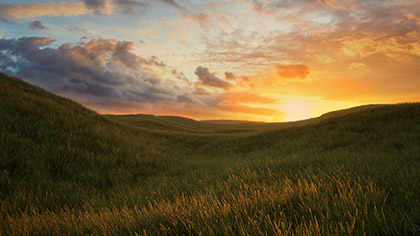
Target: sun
296,110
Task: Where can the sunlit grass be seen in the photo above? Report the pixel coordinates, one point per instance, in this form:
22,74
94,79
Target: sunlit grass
250,203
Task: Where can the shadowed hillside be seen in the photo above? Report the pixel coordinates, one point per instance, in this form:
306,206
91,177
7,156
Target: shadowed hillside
67,170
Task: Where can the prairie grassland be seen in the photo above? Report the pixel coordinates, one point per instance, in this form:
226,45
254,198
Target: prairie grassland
65,170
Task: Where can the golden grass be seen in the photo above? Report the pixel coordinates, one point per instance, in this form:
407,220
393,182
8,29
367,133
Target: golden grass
241,205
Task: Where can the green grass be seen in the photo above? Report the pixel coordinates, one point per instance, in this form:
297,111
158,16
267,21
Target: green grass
66,170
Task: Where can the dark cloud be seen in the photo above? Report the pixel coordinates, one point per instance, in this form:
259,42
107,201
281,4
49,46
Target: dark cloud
293,71
174,4
97,5
170,2
230,75
208,79
184,98
98,70
122,53
37,25
241,81
180,75
127,7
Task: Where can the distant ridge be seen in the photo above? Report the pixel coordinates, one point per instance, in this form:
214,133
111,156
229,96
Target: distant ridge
22,88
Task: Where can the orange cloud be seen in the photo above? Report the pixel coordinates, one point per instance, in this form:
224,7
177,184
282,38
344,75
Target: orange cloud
293,71
33,10
41,41
392,46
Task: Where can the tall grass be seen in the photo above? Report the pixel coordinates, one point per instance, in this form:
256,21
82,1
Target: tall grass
65,170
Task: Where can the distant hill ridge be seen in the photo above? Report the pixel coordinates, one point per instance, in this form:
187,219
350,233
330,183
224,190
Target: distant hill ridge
22,95
18,95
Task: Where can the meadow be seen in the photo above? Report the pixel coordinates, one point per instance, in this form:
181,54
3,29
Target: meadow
66,170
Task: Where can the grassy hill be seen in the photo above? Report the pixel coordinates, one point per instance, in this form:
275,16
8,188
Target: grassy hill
66,170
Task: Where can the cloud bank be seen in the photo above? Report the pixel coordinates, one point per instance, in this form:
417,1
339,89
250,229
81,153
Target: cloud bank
105,74
11,12
99,69
207,78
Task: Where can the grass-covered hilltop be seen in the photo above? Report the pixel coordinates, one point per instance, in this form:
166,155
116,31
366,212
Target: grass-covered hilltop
66,170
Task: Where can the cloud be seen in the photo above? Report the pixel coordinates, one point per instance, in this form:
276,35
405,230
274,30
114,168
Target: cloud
293,71
357,66
11,12
5,17
100,70
209,79
307,28
122,52
174,4
34,10
273,6
126,7
106,75
180,75
230,75
37,25
240,81
339,5
98,6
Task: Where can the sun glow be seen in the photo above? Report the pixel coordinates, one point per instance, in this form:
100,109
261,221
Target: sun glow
296,110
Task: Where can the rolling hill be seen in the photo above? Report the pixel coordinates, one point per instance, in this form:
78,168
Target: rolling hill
67,170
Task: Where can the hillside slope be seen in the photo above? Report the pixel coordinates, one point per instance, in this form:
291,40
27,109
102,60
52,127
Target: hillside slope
47,140
67,170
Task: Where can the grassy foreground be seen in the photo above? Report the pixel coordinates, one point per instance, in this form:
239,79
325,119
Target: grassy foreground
65,170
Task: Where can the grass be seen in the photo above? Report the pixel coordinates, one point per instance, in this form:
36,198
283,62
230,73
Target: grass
66,170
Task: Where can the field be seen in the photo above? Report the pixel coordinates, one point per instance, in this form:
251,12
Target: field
66,170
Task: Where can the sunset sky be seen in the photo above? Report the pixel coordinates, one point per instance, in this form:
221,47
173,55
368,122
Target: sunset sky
261,60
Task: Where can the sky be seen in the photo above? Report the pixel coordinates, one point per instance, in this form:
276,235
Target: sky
259,60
